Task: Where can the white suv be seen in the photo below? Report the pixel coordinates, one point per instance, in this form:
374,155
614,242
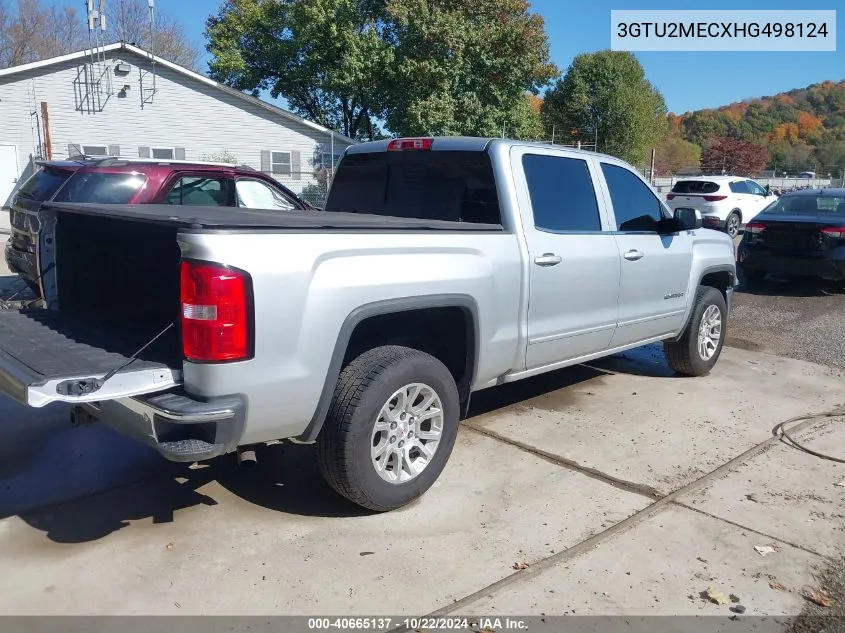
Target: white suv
725,202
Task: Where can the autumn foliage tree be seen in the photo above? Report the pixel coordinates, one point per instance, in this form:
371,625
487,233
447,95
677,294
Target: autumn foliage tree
735,157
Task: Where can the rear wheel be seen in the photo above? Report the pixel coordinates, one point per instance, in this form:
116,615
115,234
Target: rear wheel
698,349
391,427
732,224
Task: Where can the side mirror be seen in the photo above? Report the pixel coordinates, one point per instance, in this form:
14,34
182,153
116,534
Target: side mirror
688,219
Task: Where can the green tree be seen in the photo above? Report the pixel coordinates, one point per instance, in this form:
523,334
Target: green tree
606,95
674,154
418,66
327,58
463,67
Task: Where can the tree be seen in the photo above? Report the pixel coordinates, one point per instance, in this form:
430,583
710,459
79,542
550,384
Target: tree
674,154
328,58
463,67
735,157
606,95
129,21
419,66
35,32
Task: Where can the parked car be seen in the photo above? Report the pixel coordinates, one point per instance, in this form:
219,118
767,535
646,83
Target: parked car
802,234
365,327
132,181
724,201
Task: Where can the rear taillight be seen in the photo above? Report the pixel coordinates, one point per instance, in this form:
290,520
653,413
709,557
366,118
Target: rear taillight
714,198
409,144
216,320
670,196
837,232
755,228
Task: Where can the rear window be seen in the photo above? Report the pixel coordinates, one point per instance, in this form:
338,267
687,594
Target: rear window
445,185
101,188
695,186
808,205
43,184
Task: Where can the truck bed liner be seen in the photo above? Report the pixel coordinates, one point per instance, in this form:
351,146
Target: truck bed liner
47,347
222,218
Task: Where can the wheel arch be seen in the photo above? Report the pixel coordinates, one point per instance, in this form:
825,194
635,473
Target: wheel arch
398,308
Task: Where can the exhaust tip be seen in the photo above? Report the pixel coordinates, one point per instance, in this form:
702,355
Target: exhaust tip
246,456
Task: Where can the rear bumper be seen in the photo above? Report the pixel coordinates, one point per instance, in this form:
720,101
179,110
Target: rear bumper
21,263
179,427
826,266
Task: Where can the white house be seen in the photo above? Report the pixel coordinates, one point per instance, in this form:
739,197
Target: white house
123,101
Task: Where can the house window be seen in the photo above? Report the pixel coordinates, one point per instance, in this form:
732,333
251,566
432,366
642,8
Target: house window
280,163
95,150
163,153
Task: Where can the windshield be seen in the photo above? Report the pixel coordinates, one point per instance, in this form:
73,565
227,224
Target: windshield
808,205
432,185
43,184
101,188
695,186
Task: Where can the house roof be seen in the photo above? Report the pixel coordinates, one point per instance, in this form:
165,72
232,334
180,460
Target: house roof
135,50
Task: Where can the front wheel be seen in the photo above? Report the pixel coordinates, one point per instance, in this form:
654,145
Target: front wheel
391,427
699,347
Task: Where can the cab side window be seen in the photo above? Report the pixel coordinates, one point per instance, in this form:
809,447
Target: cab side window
200,191
562,195
756,189
635,206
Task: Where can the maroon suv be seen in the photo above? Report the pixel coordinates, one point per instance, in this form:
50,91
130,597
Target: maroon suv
133,181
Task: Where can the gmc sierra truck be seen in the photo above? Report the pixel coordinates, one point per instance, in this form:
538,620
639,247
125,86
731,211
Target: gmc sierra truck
439,267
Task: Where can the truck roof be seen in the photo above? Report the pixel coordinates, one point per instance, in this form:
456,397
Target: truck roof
460,144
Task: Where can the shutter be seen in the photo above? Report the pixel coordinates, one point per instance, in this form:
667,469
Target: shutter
143,152
179,153
265,162
74,150
114,150
295,165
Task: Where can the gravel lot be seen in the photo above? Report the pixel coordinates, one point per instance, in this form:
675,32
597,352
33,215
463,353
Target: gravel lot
798,318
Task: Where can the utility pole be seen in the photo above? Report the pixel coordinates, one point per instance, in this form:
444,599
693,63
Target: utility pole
553,134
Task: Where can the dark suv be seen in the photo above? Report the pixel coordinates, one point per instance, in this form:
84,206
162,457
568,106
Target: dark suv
133,181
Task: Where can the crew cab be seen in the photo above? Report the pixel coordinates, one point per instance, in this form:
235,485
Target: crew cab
439,267
116,180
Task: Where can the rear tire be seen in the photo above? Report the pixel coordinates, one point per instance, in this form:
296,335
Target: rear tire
372,447
732,223
700,346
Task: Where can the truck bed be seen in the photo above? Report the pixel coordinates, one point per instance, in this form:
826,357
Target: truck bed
234,218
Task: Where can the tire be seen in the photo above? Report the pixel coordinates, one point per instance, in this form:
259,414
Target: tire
732,223
347,442
683,355
753,278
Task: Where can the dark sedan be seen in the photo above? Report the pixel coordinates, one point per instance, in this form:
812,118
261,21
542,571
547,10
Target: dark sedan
802,233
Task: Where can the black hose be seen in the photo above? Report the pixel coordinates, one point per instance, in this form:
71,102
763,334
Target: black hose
781,431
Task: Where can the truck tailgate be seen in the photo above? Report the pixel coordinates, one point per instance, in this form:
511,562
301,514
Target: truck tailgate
44,359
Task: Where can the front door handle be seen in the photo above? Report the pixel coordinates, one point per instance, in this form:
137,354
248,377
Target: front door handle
633,255
548,259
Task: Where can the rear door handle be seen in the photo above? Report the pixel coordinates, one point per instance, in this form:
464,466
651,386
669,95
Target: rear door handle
633,255
548,259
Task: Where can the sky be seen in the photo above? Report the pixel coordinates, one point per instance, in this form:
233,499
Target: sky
688,81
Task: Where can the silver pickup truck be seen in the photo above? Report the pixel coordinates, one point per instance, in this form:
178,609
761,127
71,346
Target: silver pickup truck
439,267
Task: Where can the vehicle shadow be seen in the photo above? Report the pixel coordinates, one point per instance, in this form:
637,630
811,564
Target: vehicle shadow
286,478
783,286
